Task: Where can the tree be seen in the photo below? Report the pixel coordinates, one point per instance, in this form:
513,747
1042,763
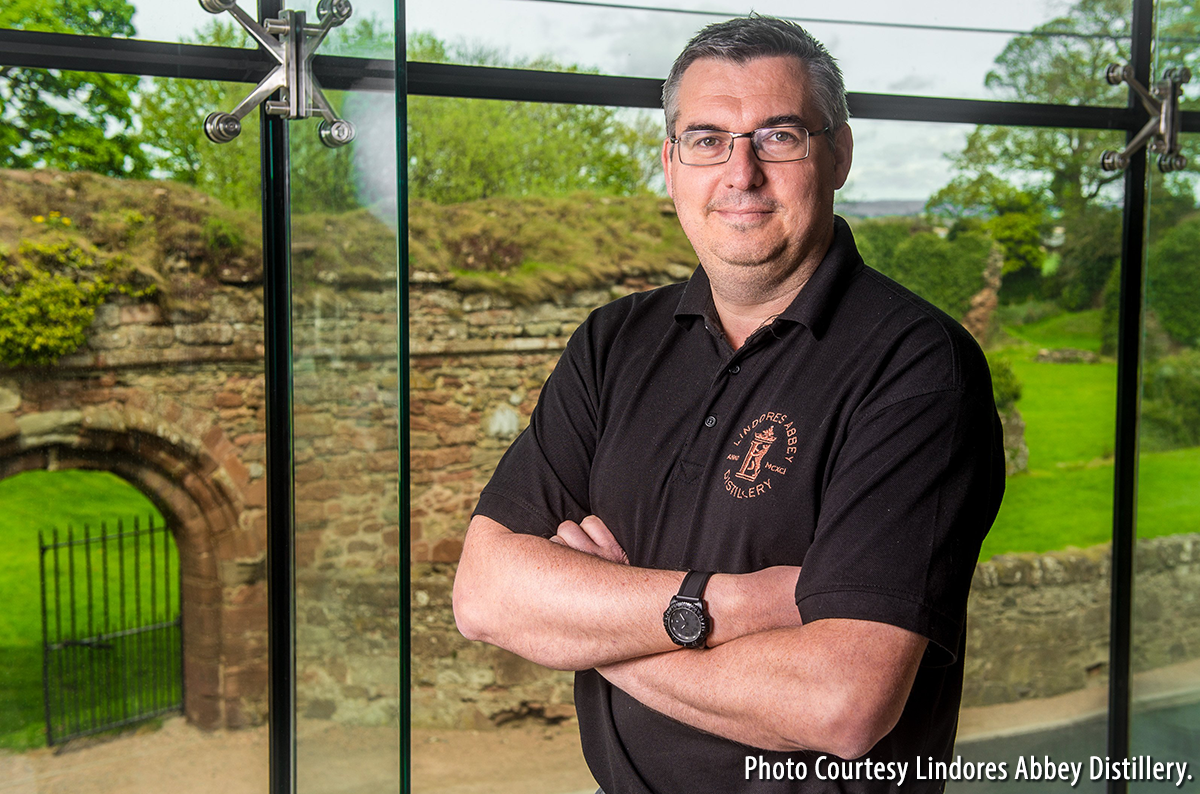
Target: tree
1016,219
1063,62
173,113
69,120
1060,69
464,149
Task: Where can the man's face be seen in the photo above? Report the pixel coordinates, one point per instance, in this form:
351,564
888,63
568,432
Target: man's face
746,213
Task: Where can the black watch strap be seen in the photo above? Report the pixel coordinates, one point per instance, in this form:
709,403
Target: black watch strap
693,585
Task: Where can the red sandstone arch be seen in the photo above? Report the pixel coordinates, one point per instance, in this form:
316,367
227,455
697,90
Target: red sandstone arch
221,543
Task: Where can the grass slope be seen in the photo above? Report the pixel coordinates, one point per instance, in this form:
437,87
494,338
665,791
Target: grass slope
1065,499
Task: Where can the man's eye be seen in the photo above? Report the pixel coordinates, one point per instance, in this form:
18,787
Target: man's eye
707,142
783,136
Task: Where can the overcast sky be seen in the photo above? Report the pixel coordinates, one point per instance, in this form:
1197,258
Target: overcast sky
893,160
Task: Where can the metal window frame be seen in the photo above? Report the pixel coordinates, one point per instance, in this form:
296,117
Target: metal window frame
190,61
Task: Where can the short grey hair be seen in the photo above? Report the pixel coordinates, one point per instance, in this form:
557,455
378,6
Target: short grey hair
747,38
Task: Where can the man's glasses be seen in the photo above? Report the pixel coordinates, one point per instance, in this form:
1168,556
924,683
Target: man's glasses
770,144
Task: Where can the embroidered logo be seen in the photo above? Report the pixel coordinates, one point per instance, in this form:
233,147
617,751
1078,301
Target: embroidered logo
762,452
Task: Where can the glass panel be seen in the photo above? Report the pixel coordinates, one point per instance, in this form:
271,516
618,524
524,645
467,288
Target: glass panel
130,390
1166,650
499,283
346,388
1025,265
882,47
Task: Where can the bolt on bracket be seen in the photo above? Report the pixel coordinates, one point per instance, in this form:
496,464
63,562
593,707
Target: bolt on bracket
1161,133
292,43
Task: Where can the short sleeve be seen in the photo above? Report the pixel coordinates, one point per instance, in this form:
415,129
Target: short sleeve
543,478
912,492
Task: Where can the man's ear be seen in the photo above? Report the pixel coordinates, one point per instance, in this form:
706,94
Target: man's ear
666,164
843,154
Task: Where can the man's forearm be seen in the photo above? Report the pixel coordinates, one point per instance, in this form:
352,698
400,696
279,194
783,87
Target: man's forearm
835,686
556,606
566,609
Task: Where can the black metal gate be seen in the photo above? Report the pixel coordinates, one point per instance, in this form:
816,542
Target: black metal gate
111,629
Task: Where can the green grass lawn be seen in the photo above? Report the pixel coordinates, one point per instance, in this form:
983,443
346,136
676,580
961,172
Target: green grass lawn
1080,330
29,502
1065,499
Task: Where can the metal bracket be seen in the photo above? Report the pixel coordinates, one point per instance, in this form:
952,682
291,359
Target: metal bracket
294,48
1161,133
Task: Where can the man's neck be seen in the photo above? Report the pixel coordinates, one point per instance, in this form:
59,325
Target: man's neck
740,319
747,298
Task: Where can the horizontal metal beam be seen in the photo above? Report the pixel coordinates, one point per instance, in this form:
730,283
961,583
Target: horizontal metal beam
982,111
529,85
188,61
232,64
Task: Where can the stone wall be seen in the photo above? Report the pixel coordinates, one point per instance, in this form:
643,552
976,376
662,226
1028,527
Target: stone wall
1038,623
172,400
1037,627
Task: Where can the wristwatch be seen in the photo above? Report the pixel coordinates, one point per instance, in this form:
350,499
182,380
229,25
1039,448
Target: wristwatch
686,620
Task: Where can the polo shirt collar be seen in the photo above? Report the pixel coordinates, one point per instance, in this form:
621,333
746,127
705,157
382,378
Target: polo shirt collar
815,303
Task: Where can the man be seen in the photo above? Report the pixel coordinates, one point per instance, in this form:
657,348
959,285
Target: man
819,439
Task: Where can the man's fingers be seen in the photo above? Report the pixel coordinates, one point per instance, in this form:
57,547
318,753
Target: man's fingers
591,536
572,535
604,539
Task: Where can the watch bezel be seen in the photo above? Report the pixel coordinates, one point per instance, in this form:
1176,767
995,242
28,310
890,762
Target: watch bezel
697,609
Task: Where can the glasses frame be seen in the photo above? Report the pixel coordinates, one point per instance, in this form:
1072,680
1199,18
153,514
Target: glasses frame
754,145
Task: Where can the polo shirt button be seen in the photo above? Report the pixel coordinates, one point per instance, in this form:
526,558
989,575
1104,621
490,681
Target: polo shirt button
710,421
735,369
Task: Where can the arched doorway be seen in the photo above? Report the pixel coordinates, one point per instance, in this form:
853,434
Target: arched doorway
221,587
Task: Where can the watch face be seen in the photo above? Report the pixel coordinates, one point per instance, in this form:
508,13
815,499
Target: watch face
685,623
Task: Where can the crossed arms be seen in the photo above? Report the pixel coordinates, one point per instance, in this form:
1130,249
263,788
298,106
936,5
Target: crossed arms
572,602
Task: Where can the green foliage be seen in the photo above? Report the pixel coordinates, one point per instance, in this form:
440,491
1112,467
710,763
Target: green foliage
1110,309
221,236
63,119
1171,402
1173,285
1090,251
45,316
52,284
48,297
946,272
1030,311
1061,70
1016,219
173,112
1006,387
466,149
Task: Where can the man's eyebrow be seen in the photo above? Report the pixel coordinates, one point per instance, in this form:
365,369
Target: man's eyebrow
787,119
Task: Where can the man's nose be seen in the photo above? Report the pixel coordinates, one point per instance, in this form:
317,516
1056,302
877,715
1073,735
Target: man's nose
744,170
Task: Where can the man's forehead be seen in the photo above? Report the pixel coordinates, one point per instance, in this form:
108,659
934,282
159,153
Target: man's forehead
766,88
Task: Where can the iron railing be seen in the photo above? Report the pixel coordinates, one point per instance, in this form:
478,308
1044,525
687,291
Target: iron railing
111,628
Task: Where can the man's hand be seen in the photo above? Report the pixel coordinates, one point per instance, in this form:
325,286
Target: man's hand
591,536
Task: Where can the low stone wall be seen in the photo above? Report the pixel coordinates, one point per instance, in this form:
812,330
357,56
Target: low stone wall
1039,624
1037,627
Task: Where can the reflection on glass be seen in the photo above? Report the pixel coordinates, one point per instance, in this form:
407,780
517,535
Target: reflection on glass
882,49
130,390
1166,652
346,413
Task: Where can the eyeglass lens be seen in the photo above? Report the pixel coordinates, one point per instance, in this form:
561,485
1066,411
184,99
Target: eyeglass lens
771,144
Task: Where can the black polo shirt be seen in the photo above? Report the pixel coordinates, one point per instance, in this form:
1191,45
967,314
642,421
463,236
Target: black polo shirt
855,436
